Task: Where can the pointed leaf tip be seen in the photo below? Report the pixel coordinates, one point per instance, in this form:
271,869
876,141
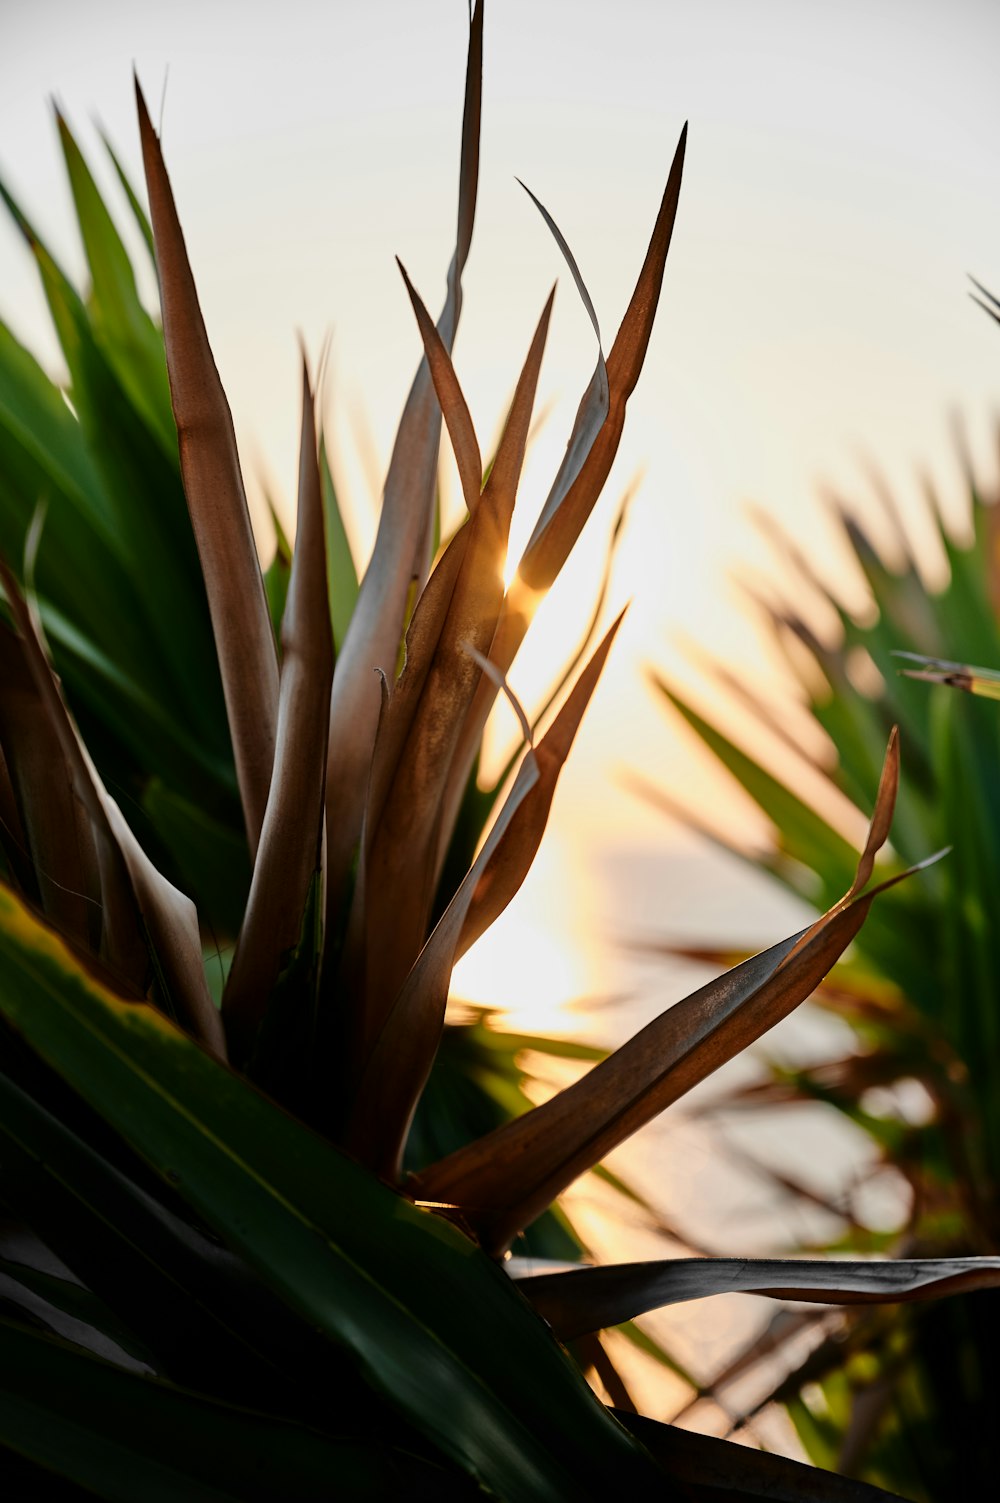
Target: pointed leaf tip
213,485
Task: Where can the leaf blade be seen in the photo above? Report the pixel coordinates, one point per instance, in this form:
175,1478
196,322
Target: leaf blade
589,1299
291,836
402,544
505,1179
272,1190
217,504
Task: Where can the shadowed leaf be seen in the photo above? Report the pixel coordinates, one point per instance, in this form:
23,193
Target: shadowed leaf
401,1059
387,1287
134,895
213,483
588,1299
719,1471
289,852
59,843
70,1311
123,1435
209,1322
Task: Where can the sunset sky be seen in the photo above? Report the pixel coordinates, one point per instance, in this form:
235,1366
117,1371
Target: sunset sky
842,178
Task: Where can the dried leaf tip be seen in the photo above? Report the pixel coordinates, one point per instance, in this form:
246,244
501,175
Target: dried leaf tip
878,829
499,679
984,682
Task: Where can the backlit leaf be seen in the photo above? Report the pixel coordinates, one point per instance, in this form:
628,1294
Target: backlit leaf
217,503
402,546
588,1299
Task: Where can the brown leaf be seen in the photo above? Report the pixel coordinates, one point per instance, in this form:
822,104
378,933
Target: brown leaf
594,404
213,484
503,1181
458,775
428,708
134,895
402,546
563,522
561,526
289,852
406,1046
54,826
451,399
513,856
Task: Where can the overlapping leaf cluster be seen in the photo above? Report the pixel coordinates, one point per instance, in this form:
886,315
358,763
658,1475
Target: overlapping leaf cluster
219,1279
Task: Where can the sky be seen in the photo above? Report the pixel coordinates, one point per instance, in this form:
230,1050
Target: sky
841,180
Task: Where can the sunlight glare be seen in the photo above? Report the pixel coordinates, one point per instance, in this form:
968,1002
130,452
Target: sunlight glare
540,955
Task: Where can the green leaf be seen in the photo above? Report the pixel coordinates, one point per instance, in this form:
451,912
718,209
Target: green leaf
803,834
133,466
125,330
138,212
124,1436
71,1312
342,576
188,1301
208,854
380,1279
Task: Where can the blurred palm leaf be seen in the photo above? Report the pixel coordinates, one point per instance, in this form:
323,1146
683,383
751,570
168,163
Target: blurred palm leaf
920,992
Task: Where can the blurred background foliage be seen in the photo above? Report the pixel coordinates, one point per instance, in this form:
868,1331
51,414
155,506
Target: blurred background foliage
902,1403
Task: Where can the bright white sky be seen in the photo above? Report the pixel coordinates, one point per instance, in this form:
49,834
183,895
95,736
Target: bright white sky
842,176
